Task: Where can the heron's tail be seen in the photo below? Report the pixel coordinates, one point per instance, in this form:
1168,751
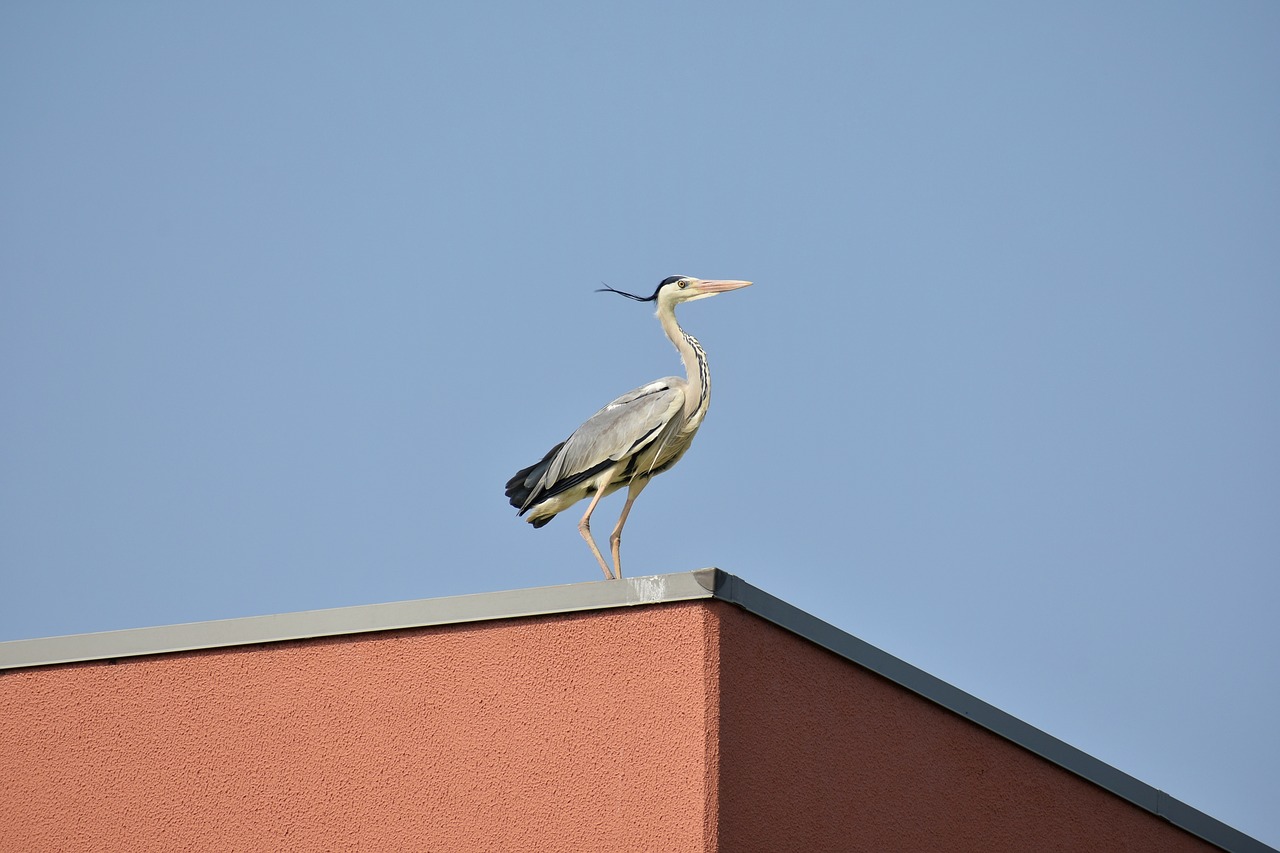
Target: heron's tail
521,487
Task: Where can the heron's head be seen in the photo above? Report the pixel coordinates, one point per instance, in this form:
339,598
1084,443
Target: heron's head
675,289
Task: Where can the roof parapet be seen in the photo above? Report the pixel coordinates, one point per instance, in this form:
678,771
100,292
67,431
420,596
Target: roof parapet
702,584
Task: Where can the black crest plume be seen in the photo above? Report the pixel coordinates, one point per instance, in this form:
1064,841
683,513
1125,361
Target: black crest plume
671,279
609,289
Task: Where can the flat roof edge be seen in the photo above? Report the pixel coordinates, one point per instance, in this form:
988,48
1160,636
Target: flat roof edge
358,619
702,584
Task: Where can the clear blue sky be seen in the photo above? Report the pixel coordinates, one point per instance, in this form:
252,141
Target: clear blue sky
290,290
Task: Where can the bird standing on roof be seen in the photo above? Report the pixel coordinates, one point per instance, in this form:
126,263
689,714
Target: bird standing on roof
628,442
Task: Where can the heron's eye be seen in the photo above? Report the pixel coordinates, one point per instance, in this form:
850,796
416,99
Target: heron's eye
682,284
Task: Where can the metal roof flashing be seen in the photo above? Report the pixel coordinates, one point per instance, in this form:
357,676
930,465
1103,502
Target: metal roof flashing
702,584
358,619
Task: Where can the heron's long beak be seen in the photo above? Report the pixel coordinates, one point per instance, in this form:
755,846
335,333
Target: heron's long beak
721,285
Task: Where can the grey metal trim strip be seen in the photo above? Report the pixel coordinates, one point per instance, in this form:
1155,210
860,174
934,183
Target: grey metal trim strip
598,595
420,613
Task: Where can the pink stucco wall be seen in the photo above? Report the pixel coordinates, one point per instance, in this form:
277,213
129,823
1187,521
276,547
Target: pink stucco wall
819,754
595,730
677,727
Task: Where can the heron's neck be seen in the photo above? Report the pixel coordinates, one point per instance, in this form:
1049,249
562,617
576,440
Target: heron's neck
695,368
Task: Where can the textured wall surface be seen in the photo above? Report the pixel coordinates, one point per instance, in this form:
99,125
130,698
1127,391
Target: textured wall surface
678,727
591,731
819,754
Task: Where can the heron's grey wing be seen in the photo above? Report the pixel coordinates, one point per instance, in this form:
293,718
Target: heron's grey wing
622,428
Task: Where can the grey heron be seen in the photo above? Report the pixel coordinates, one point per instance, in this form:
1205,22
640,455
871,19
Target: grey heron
633,439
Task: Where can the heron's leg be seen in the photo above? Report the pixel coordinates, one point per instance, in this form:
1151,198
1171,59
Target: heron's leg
584,527
615,539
